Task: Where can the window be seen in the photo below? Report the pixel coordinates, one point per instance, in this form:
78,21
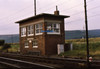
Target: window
30,30
38,29
54,28
35,44
26,44
23,31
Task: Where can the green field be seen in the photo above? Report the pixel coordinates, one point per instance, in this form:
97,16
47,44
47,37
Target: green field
14,48
79,48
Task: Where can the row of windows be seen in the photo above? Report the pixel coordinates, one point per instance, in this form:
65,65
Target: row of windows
34,44
54,27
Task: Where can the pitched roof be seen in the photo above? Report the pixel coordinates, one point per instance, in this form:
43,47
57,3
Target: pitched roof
43,14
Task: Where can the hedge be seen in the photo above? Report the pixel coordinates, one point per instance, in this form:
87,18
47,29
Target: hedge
2,42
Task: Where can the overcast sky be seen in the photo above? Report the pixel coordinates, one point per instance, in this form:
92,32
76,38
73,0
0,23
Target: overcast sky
14,10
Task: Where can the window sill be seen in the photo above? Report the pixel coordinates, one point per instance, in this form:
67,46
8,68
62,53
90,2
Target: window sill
30,34
23,35
35,46
26,46
39,34
53,33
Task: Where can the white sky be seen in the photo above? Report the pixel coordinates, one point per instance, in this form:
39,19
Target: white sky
14,10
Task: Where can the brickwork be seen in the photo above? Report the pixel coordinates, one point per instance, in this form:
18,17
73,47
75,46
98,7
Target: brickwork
47,43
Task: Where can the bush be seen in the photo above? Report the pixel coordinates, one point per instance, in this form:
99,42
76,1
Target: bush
2,42
6,46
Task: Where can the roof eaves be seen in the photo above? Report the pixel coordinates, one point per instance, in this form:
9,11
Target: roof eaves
41,15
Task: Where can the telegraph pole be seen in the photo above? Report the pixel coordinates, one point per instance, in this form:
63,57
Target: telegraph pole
87,40
35,7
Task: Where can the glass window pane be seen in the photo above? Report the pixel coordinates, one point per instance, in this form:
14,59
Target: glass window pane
54,25
49,26
37,31
56,30
38,28
57,25
30,29
26,43
23,31
40,25
35,43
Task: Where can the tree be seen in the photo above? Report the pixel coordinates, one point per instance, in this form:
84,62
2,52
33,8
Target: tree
2,42
6,47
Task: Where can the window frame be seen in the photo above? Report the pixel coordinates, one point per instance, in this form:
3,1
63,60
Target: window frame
26,45
36,43
53,28
40,28
30,29
23,31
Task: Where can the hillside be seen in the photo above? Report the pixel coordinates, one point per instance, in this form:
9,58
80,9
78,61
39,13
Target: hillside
76,34
10,38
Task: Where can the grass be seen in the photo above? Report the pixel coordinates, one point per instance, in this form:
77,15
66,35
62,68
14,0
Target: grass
14,48
79,48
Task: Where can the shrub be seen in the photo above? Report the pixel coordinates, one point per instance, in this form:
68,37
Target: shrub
2,42
6,46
